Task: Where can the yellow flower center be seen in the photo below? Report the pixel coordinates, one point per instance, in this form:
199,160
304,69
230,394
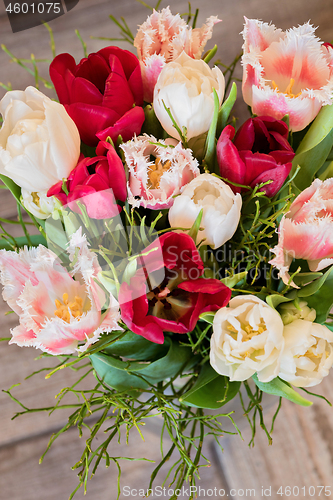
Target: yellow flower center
288,89
35,198
156,171
65,309
249,334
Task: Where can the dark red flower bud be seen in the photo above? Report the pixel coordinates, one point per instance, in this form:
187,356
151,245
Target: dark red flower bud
260,152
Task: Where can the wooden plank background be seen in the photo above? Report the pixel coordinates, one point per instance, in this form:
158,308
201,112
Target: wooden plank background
302,450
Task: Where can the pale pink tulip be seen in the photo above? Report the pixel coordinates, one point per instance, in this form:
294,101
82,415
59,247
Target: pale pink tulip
162,38
56,312
306,231
153,184
286,73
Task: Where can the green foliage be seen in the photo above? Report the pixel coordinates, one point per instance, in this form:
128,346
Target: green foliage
226,109
278,387
210,146
211,390
318,295
314,148
128,375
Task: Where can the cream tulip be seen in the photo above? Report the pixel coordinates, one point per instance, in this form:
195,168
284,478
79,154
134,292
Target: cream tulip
39,142
221,209
185,86
308,353
247,339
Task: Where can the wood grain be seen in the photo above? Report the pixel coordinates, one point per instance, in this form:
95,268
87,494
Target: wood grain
302,450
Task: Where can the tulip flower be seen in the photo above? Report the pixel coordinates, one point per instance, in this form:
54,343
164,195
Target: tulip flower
96,182
102,94
39,142
162,38
154,183
260,152
167,292
185,86
56,311
287,73
221,209
247,339
306,231
307,356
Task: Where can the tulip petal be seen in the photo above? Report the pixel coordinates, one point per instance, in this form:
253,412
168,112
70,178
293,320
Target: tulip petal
95,69
90,120
127,126
231,165
278,175
59,67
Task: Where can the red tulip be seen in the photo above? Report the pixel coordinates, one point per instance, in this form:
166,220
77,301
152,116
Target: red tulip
259,152
97,182
167,292
99,93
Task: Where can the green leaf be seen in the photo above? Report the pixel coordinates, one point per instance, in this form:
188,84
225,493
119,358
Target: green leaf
127,375
232,281
275,300
315,286
210,54
169,365
314,148
211,137
211,390
136,347
225,110
193,232
278,387
114,373
327,172
302,279
13,188
36,239
151,125
208,317
319,295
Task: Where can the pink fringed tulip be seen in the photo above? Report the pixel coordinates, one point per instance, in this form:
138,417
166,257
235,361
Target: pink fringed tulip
162,38
56,311
157,173
306,231
259,152
286,73
96,182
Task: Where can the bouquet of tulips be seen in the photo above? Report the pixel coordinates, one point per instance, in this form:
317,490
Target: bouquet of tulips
178,263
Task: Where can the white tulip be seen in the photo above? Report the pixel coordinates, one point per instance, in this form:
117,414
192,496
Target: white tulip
39,142
221,209
308,353
38,204
247,338
186,88
290,312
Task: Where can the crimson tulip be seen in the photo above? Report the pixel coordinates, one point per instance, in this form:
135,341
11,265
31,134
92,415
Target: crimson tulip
97,182
260,152
103,94
168,291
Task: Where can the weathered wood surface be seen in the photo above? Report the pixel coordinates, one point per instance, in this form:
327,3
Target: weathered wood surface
302,451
